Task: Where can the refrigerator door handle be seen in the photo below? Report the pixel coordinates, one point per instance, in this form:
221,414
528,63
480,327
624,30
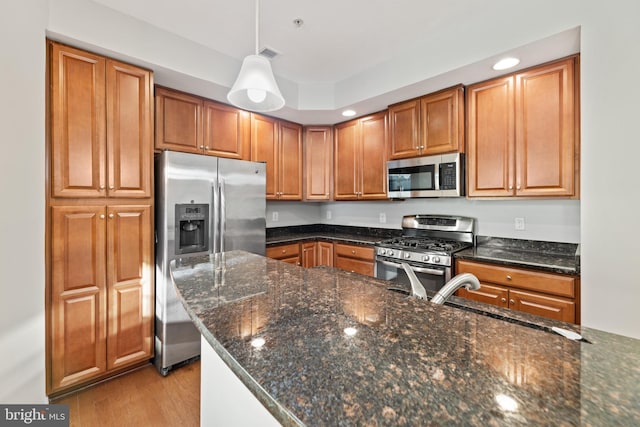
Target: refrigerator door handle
222,214
215,229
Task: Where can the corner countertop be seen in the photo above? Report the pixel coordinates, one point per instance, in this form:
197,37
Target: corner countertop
348,234
410,362
563,258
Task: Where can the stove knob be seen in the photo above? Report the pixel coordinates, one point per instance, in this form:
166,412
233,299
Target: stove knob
407,256
436,259
382,251
390,252
425,258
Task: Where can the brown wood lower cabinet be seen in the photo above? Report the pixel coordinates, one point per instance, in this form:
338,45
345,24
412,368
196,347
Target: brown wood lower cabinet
354,258
101,299
554,296
288,253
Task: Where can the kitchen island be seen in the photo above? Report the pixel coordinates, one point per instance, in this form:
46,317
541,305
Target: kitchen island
340,349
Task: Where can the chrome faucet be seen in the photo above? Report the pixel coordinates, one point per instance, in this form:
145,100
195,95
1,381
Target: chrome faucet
417,290
468,280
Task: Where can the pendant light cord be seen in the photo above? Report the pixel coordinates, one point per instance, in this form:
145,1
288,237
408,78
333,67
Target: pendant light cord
257,26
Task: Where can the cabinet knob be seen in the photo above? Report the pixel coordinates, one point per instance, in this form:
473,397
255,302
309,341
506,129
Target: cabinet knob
206,148
110,215
353,251
518,187
111,187
101,216
511,187
508,277
202,147
102,187
422,147
512,302
284,251
503,299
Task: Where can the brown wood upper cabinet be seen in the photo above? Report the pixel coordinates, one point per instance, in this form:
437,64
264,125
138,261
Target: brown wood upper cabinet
279,144
318,163
522,133
192,124
431,124
101,126
360,158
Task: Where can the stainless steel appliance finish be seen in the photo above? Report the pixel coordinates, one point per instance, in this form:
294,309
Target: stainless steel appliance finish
427,245
429,176
204,205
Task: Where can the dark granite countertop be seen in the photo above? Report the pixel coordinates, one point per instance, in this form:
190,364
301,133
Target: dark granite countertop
410,362
348,234
554,257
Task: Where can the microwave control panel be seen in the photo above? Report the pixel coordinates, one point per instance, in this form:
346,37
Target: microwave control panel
448,176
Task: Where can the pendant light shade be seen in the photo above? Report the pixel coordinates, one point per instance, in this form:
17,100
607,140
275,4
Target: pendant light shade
255,88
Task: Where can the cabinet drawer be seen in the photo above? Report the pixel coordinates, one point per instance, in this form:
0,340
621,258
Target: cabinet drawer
283,251
541,305
353,251
519,278
354,265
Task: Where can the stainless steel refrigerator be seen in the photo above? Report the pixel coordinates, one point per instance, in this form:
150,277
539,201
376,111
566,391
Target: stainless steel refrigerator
204,205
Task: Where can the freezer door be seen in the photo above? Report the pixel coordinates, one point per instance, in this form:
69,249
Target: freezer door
242,187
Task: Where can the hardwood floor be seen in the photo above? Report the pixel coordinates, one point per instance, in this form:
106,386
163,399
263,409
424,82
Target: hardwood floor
140,398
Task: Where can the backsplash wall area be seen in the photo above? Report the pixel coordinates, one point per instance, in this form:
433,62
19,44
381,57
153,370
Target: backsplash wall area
549,220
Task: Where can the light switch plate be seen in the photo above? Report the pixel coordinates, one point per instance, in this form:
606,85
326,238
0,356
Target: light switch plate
519,224
383,218
275,217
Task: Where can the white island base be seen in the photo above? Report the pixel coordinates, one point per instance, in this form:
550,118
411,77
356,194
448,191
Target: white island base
224,399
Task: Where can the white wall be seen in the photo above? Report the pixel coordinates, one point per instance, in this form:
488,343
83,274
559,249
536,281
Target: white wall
22,115
610,157
550,220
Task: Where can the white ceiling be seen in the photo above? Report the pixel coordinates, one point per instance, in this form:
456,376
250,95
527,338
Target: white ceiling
340,40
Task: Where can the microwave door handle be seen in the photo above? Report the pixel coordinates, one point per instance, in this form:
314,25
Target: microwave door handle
414,268
437,178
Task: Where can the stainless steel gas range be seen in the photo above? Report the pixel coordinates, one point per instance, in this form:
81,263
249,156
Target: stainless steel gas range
427,245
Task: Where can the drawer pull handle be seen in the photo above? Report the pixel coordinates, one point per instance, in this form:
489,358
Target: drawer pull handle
512,302
503,299
284,251
353,251
508,277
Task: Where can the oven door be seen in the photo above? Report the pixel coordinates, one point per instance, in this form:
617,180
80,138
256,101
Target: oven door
432,277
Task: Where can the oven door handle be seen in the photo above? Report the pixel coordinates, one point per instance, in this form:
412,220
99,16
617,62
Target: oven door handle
414,268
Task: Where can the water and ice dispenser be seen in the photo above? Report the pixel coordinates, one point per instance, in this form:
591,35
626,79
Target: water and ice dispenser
192,228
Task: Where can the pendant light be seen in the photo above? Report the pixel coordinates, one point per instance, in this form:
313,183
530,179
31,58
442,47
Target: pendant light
255,88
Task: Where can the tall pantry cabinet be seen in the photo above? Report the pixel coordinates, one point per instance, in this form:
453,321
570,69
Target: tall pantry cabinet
99,294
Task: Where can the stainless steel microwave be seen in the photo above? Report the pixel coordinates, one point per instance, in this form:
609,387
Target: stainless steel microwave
429,176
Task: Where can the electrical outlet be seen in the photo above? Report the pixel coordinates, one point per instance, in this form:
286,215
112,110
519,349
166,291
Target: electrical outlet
383,218
519,223
275,217
329,215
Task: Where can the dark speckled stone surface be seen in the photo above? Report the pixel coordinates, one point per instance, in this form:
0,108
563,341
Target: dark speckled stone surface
549,256
362,235
410,363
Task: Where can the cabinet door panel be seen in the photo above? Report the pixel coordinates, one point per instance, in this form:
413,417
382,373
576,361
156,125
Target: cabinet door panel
129,274
309,255
487,294
290,154
373,160
442,118
541,305
264,139
490,137
226,131
325,253
404,130
178,121
77,123
318,163
545,131
345,160
129,127
78,294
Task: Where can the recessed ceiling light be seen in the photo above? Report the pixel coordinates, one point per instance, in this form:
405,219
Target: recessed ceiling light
505,63
348,113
